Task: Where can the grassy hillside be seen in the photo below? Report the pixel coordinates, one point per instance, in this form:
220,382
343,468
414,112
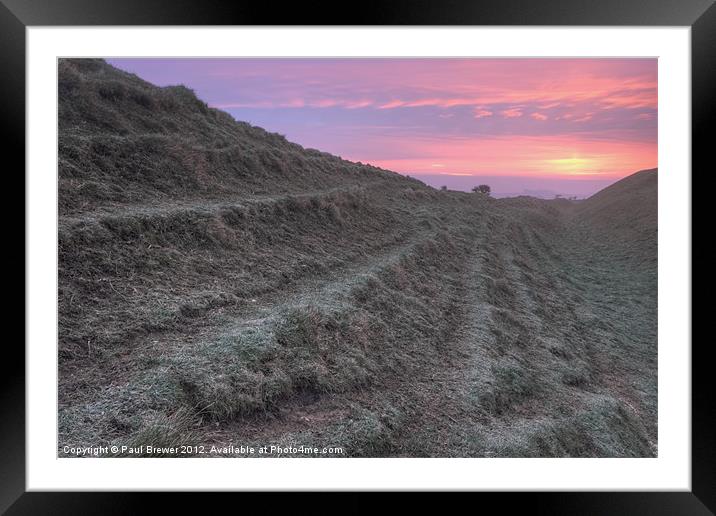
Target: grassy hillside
220,285
125,141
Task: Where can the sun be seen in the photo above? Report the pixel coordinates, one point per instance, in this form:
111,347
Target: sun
572,166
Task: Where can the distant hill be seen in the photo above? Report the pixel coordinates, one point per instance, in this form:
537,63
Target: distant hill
626,213
628,204
218,284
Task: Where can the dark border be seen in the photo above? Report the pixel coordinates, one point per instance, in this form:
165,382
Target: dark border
16,15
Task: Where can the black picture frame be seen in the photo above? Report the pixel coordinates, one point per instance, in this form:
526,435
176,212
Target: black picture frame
700,15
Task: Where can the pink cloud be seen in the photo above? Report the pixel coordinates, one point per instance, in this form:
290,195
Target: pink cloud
481,113
511,113
584,118
358,104
324,103
539,116
392,104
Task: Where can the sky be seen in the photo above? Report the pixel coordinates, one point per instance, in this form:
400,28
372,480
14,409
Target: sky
528,126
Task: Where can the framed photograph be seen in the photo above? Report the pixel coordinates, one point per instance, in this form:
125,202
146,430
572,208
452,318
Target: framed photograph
428,248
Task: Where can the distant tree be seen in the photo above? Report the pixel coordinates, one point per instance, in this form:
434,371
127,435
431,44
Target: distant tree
443,188
483,189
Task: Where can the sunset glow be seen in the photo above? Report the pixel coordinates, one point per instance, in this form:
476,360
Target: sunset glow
550,119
